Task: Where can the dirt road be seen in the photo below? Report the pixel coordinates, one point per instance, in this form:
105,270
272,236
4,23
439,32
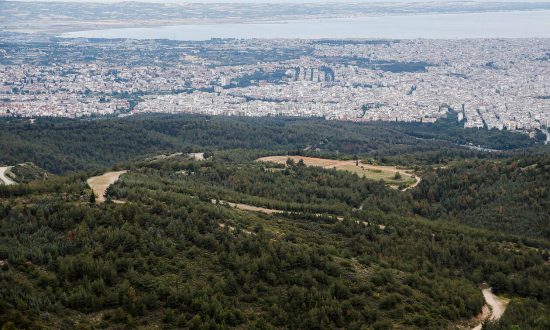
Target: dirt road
99,184
417,181
252,208
496,307
4,178
247,207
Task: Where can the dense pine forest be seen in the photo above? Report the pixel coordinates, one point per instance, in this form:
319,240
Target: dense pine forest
65,145
172,247
511,194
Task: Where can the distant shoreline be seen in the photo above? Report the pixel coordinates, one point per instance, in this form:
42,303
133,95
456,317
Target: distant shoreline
501,24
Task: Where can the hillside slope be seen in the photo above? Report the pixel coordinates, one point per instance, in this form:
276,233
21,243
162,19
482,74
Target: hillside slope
169,257
511,195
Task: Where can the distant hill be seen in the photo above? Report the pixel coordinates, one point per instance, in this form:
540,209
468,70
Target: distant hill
64,145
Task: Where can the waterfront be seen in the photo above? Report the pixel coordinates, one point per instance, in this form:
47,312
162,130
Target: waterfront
520,24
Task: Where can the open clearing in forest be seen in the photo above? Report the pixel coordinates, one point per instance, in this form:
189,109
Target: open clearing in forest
99,184
373,172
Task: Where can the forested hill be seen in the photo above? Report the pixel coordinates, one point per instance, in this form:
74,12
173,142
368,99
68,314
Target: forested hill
64,145
229,242
511,195
346,253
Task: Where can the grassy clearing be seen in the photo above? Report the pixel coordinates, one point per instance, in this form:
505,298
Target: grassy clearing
99,184
388,174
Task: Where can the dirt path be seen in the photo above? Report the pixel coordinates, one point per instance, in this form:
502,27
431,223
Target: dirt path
196,155
4,178
493,310
251,208
231,228
418,179
163,156
247,207
99,184
484,315
498,305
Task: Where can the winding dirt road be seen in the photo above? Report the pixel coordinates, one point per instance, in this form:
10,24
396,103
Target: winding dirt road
498,305
4,178
493,310
417,181
252,208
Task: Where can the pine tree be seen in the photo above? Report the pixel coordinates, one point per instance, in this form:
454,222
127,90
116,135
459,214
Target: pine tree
92,197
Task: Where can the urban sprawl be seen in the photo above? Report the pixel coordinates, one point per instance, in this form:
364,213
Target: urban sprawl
489,83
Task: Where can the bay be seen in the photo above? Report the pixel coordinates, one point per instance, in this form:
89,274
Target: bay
520,24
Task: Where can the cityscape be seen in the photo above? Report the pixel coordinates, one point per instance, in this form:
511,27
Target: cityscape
489,83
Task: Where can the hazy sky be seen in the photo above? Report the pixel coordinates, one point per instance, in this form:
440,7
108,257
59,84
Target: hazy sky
275,1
